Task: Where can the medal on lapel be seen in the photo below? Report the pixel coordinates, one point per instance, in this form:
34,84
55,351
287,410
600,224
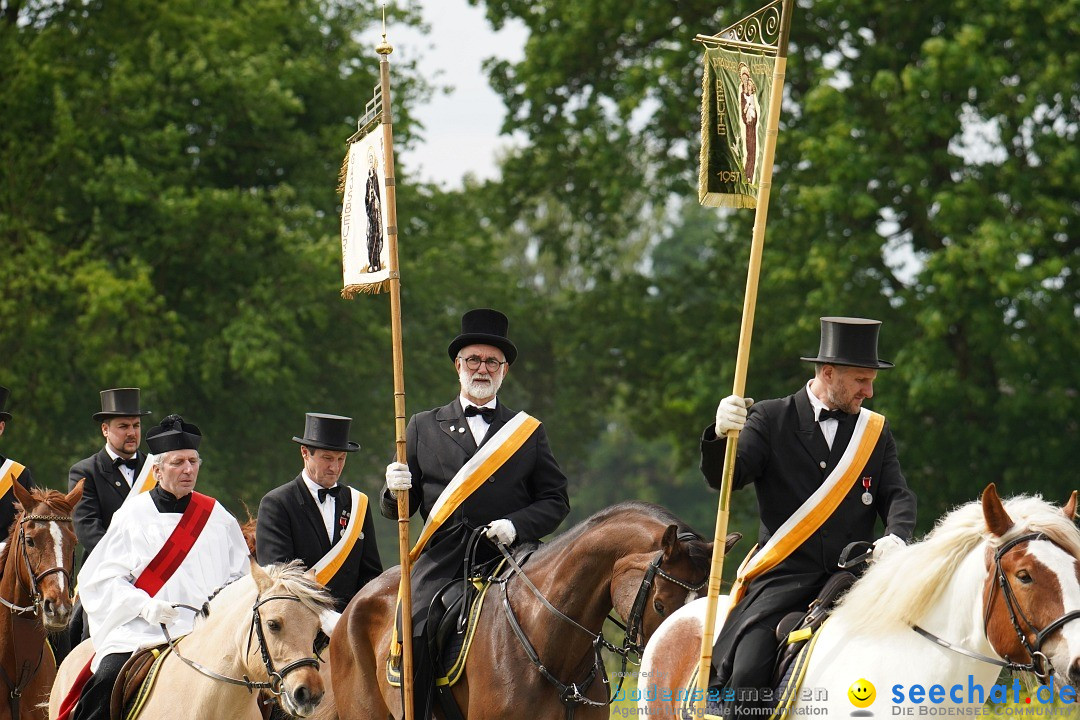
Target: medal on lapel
867,498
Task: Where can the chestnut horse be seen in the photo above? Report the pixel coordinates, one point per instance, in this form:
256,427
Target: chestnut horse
995,585
36,591
600,564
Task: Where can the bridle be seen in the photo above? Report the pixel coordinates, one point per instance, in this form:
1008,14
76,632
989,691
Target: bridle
1040,664
572,694
24,672
35,578
276,678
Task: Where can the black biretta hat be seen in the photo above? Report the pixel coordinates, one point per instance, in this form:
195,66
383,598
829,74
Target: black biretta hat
327,432
173,434
4,395
484,326
849,341
120,402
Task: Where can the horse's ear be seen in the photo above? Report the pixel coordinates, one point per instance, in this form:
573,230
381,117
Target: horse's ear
25,498
997,520
670,542
75,495
1070,506
262,580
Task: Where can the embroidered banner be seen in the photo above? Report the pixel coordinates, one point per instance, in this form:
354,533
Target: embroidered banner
736,87
364,250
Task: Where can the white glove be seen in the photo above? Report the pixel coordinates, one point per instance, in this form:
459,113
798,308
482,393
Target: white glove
398,476
502,531
885,545
159,612
731,414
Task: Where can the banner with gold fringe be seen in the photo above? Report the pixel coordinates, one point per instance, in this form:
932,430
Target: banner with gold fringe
364,251
736,89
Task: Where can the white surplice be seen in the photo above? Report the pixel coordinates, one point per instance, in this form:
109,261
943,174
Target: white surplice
135,535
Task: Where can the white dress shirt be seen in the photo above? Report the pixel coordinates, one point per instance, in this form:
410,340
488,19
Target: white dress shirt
128,473
828,427
477,424
327,508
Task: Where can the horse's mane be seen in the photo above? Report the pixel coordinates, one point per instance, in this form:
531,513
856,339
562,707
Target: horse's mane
294,581
697,548
901,588
53,498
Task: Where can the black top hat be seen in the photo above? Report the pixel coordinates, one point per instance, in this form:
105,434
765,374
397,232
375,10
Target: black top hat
327,432
173,434
849,341
484,326
120,402
4,394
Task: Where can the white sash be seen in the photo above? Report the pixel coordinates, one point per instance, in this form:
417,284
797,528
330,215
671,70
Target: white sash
327,567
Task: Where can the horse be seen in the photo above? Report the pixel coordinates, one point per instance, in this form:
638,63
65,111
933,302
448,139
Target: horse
258,634
994,585
36,590
634,557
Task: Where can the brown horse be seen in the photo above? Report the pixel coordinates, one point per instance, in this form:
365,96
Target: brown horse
36,591
630,557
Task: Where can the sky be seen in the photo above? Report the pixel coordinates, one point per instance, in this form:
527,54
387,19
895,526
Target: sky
461,129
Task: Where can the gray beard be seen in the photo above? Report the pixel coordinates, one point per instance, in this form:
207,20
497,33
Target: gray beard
479,391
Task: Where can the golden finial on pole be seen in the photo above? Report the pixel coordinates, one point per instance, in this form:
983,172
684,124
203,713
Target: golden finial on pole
384,48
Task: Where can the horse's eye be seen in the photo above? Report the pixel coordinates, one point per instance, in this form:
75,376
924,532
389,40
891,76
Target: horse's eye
659,608
273,625
29,542
1024,576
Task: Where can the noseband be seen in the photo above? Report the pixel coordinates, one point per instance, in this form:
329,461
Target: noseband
35,578
276,678
1040,664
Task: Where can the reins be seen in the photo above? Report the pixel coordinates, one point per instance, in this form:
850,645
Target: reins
572,694
275,678
1040,664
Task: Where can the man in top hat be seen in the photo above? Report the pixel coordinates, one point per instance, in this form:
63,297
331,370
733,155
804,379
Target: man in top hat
111,471
10,471
521,499
127,598
316,519
802,453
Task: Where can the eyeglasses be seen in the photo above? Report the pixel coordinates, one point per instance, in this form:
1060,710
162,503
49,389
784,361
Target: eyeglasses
473,363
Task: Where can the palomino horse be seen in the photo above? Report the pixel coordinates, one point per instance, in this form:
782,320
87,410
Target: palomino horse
36,591
258,634
994,585
635,557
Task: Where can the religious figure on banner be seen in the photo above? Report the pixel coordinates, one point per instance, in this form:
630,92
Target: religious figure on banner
373,206
749,112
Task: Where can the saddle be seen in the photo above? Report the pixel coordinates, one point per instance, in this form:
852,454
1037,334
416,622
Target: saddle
129,683
797,628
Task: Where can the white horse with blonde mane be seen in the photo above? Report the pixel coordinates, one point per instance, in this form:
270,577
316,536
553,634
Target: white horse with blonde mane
993,584
290,607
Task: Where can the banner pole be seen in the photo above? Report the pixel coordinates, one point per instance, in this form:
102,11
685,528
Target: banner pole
743,356
405,590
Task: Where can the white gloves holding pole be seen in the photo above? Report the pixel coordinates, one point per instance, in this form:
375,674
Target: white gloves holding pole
398,477
159,612
731,414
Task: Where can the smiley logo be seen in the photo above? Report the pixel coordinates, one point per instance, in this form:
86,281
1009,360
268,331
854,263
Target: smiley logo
862,693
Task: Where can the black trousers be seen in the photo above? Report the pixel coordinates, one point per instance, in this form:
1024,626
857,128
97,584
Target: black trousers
752,668
97,693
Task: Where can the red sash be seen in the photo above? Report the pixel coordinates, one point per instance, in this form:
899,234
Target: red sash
156,574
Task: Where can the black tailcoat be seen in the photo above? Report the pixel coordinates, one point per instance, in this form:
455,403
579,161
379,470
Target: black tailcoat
290,527
783,452
7,503
529,490
104,492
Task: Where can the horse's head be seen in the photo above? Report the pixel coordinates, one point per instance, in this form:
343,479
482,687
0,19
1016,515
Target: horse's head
1031,597
287,618
41,549
648,586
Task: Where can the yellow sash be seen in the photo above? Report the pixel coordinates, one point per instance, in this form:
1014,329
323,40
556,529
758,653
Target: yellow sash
813,513
9,473
331,562
489,458
146,480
